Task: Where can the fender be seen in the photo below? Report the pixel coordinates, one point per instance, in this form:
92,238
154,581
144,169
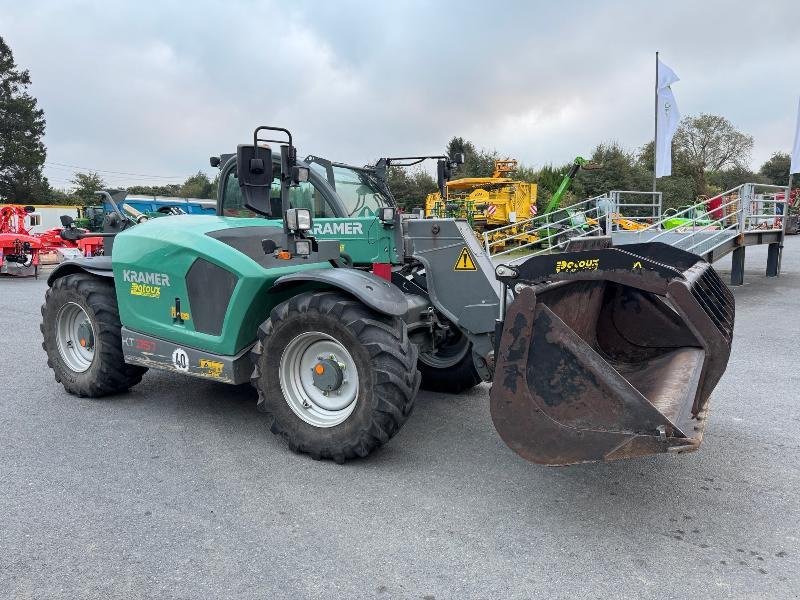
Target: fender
97,265
377,293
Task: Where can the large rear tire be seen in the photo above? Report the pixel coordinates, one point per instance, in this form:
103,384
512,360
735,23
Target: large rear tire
82,337
364,363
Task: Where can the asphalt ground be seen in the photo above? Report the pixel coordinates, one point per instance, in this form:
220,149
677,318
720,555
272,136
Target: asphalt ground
178,490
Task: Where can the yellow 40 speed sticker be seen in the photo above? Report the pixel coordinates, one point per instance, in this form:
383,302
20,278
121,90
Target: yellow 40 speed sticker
577,266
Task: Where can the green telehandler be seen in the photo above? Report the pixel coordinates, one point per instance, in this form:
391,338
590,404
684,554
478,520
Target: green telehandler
595,354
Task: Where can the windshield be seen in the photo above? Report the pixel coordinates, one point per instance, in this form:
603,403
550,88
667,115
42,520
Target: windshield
360,192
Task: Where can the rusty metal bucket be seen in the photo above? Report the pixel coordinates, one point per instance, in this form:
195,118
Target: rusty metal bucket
609,353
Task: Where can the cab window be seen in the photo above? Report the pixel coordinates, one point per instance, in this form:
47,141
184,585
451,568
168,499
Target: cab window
360,193
304,195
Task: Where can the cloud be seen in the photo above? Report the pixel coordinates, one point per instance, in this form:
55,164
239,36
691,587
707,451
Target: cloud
157,88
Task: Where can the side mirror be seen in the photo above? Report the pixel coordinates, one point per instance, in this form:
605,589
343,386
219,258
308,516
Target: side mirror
458,158
443,173
254,171
67,221
214,161
381,169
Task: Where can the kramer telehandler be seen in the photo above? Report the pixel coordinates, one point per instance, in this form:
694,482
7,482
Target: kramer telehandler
599,353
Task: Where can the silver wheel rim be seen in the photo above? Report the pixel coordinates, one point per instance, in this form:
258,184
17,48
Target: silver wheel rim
307,401
75,348
447,356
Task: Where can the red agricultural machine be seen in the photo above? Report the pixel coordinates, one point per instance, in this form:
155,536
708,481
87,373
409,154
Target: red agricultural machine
21,250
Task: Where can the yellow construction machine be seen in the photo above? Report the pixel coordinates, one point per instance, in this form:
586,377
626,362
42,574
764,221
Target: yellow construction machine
486,202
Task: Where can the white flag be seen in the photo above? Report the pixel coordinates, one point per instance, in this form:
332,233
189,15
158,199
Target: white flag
667,119
795,167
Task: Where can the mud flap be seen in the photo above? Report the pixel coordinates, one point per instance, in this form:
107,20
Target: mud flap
609,353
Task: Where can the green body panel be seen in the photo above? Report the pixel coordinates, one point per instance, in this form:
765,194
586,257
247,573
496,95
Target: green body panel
150,262
364,239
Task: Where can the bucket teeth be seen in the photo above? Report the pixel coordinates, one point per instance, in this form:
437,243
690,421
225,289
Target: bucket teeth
610,354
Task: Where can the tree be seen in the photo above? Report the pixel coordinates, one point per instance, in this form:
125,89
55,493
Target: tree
172,189
86,184
410,189
710,143
477,163
776,169
198,186
722,181
677,189
22,125
619,170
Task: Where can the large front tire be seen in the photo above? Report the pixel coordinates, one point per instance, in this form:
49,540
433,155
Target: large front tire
373,375
82,337
451,369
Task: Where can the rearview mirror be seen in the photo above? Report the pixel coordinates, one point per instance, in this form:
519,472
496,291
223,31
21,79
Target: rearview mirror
381,169
254,171
442,175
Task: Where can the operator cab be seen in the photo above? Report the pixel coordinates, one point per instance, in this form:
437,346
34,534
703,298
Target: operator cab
361,191
332,190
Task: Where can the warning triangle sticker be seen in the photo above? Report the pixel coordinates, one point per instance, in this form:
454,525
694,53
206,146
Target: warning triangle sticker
465,262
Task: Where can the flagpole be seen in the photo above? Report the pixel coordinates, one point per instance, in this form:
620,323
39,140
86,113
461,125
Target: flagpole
655,127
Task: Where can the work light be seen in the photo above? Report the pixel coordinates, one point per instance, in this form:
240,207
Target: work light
386,214
298,219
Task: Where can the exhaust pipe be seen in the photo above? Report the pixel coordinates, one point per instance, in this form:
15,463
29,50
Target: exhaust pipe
609,353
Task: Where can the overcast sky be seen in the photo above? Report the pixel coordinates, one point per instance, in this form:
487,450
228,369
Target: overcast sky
156,88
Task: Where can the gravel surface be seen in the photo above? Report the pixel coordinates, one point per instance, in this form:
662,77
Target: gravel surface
178,490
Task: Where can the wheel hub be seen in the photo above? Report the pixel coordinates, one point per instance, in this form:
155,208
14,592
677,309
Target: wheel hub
319,379
75,337
86,335
328,374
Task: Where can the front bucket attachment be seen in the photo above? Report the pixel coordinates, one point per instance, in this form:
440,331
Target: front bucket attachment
608,354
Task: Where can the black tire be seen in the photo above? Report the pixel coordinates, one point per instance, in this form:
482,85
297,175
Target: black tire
384,358
108,372
455,379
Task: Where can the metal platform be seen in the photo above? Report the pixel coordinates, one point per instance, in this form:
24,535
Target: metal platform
747,215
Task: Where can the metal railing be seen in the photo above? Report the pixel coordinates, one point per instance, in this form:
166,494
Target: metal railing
546,233
633,205
746,208
749,207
